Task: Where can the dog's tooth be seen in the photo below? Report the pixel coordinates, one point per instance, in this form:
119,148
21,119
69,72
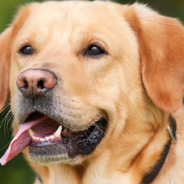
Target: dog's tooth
51,137
37,139
31,133
42,139
47,138
58,132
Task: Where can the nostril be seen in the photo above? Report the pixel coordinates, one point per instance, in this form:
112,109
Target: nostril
25,84
40,84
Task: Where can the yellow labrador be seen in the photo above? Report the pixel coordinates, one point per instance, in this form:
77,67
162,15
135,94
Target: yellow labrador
92,88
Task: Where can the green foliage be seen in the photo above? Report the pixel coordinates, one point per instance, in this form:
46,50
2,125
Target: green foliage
17,170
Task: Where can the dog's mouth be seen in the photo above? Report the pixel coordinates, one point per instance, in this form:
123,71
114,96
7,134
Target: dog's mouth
50,141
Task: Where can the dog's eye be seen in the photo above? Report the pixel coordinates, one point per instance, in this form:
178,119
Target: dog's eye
26,50
94,51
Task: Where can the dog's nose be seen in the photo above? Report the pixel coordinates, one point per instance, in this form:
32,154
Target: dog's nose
36,82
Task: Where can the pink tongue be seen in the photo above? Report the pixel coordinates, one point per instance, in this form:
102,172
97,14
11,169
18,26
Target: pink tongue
20,141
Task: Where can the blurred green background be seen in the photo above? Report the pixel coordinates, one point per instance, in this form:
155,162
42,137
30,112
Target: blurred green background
17,170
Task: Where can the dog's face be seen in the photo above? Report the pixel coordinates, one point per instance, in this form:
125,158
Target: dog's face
80,76
85,59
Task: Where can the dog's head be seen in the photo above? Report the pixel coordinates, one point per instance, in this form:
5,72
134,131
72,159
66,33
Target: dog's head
80,73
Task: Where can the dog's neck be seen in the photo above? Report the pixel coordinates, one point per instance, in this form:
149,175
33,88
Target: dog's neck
155,169
124,168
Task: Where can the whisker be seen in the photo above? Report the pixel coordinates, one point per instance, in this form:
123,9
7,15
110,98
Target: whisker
9,122
6,121
7,114
5,146
5,109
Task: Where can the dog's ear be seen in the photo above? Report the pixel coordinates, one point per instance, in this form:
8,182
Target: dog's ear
161,48
4,65
6,41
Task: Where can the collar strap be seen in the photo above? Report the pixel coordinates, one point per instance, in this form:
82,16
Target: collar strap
150,176
39,178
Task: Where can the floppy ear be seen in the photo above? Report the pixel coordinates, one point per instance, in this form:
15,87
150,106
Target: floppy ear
6,41
4,66
161,48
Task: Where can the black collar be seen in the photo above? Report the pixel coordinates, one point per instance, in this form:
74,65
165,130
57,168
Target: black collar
150,176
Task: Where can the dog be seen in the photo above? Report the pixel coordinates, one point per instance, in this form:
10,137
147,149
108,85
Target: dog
96,92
